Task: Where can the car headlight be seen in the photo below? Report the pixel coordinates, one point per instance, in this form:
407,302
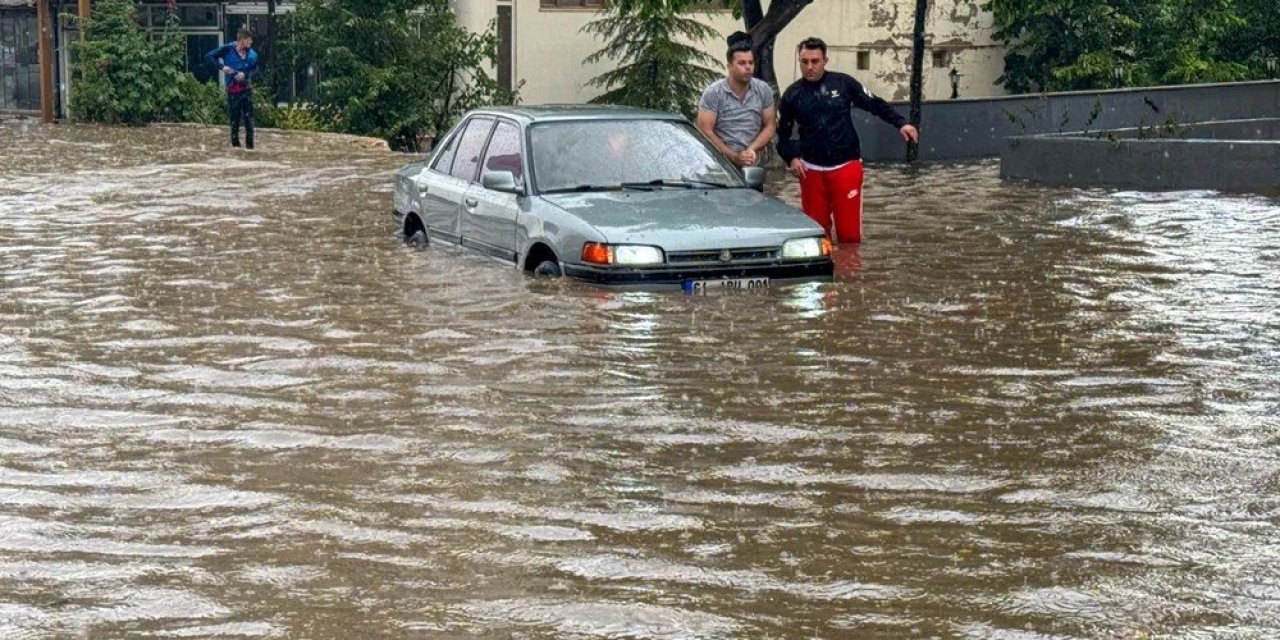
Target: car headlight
806,248
628,255
637,255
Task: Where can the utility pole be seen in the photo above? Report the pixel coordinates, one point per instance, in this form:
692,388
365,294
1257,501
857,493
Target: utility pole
270,49
44,52
917,74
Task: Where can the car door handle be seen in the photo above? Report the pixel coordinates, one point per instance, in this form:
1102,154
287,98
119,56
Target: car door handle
471,203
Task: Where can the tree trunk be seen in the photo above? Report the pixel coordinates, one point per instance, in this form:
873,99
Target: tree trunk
764,28
917,73
752,14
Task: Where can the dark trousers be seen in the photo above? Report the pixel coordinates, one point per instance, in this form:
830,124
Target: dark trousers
240,108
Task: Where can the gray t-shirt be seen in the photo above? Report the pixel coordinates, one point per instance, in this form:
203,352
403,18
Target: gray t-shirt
738,121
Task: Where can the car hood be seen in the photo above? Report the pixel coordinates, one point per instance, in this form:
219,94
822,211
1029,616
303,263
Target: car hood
688,219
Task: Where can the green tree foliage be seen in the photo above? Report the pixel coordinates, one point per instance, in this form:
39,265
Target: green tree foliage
401,70
763,26
1055,45
126,77
658,68
1257,37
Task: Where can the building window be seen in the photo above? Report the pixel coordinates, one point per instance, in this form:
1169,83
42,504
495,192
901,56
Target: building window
189,15
864,60
941,59
19,68
572,4
703,5
199,26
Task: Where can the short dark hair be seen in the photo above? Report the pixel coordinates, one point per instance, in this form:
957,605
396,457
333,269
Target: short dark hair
243,33
811,44
739,42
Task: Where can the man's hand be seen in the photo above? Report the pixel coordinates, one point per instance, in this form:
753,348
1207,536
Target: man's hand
748,157
909,133
227,70
797,167
240,76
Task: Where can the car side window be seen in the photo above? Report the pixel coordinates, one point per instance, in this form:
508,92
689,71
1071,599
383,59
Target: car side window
443,161
504,150
470,144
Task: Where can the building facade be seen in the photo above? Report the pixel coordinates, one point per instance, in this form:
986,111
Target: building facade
30,27
543,45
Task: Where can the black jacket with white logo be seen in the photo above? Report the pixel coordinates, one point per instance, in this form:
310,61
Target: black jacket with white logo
823,110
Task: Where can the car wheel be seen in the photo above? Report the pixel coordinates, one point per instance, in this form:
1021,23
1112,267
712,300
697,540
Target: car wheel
547,269
418,239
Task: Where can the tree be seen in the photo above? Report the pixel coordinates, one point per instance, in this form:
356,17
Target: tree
763,26
1256,37
1091,44
656,69
125,77
402,70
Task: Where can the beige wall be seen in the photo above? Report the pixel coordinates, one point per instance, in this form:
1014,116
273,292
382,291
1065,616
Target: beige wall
549,46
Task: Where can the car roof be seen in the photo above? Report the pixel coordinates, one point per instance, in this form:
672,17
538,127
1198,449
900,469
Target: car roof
530,114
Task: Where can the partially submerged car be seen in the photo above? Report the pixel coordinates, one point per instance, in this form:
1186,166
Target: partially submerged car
611,195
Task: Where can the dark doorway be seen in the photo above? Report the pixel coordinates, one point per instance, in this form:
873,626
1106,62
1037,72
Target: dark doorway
506,37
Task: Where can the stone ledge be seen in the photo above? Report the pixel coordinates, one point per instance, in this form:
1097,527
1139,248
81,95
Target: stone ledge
363,143
1238,155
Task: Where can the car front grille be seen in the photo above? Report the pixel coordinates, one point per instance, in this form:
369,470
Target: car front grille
716,256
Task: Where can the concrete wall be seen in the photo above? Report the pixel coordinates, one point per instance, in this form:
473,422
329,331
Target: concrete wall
1122,160
977,128
550,46
1268,129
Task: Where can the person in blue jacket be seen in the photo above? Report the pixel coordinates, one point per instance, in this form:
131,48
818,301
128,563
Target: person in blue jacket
239,64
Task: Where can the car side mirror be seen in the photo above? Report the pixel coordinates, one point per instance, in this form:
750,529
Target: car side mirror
754,176
504,181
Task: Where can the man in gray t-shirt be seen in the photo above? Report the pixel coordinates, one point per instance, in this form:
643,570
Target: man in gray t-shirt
737,114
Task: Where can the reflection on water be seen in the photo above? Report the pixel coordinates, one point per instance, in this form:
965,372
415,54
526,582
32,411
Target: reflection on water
233,405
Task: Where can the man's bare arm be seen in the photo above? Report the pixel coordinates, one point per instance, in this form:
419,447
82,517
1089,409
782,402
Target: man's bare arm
769,118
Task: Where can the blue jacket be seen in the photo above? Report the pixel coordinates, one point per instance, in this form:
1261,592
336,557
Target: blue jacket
226,55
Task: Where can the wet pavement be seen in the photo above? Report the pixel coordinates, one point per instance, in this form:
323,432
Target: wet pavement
233,404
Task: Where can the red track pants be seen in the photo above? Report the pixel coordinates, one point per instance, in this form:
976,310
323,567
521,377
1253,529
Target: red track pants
836,194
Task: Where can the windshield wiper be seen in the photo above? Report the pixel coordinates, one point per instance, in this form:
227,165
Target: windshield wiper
687,184
584,188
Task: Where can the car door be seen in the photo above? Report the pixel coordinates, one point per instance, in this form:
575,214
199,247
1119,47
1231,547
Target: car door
445,185
489,217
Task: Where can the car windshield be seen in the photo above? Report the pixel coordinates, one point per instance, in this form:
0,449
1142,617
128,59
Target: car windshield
585,155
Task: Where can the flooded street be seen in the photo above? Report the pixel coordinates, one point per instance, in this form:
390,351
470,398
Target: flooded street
234,404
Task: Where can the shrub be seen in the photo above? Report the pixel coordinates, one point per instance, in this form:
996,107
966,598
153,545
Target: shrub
397,69
124,76
305,117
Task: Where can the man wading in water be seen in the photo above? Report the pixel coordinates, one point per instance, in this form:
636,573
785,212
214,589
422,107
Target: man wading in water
736,114
239,63
828,158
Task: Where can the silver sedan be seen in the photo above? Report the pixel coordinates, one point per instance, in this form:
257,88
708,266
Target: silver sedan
611,195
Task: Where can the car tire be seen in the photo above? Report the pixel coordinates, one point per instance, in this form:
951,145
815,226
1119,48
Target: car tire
418,239
547,269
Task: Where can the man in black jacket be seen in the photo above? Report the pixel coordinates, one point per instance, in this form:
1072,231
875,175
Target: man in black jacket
827,158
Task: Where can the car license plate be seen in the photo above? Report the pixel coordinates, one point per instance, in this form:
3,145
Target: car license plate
726,284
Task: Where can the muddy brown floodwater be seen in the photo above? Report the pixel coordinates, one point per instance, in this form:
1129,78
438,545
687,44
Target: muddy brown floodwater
233,404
